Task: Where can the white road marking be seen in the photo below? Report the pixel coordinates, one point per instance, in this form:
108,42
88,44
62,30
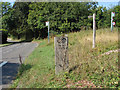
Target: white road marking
4,62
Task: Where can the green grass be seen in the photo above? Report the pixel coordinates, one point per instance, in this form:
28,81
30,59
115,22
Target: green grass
6,44
38,70
41,62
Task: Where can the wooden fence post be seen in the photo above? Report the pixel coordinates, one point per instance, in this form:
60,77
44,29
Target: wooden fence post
61,54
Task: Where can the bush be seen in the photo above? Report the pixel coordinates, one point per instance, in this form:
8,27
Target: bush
3,36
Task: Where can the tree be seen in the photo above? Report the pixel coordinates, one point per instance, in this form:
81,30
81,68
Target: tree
3,35
106,18
5,7
63,17
117,15
20,12
99,17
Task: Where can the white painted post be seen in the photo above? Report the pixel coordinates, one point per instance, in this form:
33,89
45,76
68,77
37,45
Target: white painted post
94,30
1,49
112,15
47,24
111,22
48,33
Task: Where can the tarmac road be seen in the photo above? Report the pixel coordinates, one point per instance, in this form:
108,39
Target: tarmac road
11,55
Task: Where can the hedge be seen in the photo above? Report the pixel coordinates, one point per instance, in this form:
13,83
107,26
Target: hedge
3,36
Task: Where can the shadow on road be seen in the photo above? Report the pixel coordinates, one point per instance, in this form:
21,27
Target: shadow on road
10,72
14,42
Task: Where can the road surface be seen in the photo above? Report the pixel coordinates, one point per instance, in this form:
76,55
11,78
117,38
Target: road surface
11,54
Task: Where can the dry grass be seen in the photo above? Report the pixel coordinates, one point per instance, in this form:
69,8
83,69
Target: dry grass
82,54
80,44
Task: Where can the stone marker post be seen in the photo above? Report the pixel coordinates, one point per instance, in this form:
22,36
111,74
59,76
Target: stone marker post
61,54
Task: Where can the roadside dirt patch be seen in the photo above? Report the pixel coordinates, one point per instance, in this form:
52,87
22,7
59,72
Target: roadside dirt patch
79,84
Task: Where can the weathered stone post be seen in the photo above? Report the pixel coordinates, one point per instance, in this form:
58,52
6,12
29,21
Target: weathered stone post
61,54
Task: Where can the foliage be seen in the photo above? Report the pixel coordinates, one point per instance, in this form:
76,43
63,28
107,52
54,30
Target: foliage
3,34
20,16
27,19
63,17
117,15
5,7
5,12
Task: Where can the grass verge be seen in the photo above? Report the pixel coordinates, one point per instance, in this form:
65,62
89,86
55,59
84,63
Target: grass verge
6,44
38,70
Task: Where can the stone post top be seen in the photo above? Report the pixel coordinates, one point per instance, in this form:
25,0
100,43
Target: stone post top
66,35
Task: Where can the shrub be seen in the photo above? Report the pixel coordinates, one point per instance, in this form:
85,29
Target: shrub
3,35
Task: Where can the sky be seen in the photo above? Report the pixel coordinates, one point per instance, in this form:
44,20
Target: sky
104,3
107,4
